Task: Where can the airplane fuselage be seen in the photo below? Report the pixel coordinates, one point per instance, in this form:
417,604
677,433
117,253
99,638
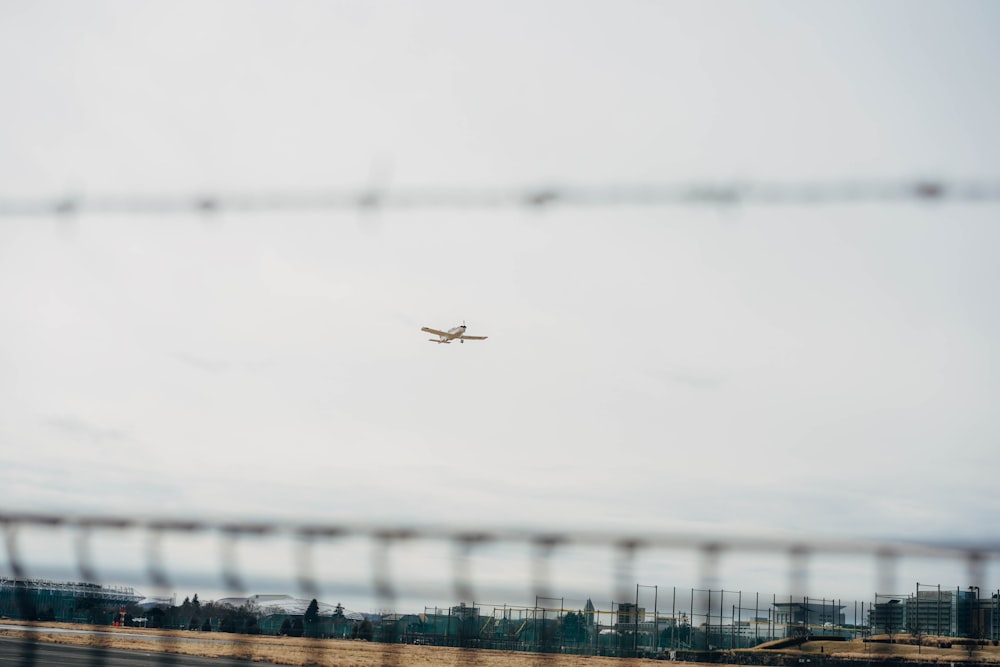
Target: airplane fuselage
451,334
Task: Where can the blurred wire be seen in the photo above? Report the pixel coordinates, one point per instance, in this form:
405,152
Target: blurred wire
461,536
463,541
692,194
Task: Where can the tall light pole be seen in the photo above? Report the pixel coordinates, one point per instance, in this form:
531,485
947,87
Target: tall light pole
976,616
673,617
937,614
655,620
708,622
937,608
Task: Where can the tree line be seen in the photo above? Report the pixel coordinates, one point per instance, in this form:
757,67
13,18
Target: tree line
193,614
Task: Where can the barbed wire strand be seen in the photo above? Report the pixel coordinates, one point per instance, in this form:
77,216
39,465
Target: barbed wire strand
918,191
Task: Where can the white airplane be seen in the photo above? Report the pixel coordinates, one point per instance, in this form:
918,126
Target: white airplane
457,333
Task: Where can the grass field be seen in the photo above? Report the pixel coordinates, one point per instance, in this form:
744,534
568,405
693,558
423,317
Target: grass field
300,651
346,653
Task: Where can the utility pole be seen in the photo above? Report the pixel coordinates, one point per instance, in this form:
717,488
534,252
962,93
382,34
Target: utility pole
635,623
708,621
656,621
673,615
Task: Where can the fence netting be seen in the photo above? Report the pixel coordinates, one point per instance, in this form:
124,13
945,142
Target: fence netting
540,592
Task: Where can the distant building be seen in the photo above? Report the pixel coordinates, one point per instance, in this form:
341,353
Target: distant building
886,615
934,612
949,613
630,614
464,611
74,602
588,612
808,613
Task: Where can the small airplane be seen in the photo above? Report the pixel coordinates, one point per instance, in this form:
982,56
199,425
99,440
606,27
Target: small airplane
457,333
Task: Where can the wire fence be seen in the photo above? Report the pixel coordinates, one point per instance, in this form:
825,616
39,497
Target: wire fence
639,619
919,191
634,619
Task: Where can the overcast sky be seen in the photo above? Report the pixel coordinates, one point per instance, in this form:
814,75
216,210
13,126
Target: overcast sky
793,369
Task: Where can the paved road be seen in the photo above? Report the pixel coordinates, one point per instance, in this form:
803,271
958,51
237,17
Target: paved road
27,653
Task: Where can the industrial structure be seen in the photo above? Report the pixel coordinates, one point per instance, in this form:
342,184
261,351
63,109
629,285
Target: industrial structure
74,602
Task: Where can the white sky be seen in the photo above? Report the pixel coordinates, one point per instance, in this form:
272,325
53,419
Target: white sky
794,369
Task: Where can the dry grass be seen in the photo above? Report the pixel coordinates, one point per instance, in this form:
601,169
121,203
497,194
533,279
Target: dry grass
300,651
346,653
929,652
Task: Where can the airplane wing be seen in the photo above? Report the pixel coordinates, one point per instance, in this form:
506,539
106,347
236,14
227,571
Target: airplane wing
435,331
473,337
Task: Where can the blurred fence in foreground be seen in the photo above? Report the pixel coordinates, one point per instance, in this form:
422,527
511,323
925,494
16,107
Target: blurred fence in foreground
919,191
638,620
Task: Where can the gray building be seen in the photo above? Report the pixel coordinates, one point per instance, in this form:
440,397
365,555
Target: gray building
933,611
